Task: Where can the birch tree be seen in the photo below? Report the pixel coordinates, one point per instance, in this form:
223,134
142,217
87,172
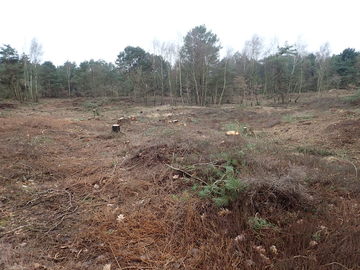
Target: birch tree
35,58
69,69
253,49
322,59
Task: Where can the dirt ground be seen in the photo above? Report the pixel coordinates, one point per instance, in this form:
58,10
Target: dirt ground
74,195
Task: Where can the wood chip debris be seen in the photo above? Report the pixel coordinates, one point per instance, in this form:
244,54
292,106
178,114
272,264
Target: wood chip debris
232,133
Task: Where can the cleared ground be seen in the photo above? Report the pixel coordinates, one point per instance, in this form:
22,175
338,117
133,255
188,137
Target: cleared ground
74,195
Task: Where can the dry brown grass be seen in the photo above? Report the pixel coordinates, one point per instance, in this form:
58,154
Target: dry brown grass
75,196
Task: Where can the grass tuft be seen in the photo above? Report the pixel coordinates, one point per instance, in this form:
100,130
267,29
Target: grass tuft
288,118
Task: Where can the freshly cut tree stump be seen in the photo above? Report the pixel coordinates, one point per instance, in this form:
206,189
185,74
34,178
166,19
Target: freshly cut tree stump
115,128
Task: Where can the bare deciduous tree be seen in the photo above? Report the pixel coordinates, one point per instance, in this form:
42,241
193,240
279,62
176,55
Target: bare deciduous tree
35,58
322,59
229,55
69,69
252,50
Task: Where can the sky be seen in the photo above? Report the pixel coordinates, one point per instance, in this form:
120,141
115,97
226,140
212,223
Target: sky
79,30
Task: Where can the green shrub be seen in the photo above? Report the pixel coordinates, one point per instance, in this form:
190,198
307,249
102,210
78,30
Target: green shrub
233,126
225,189
316,236
258,223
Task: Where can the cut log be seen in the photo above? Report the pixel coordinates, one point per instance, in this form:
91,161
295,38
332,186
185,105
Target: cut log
116,128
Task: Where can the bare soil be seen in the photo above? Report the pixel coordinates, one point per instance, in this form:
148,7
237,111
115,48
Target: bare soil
74,195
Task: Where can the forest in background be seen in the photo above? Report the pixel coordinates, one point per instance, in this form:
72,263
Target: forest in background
190,73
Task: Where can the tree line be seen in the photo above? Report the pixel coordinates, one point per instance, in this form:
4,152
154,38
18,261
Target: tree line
191,73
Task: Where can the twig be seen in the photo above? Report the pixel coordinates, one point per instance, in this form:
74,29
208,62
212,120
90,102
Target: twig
25,165
61,220
206,163
14,230
39,196
70,199
55,192
117,262
114,169
137,267
339,264
186,173
129,168
301,256
57,224
356,170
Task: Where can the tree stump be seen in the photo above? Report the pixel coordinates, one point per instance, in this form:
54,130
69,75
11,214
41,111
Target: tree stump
116,128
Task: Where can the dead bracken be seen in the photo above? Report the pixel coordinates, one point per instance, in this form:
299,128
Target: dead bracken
164,195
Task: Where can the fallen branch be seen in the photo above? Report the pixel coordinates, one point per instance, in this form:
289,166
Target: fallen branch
14,230
186,173
117,262
356,170
336,263
62,217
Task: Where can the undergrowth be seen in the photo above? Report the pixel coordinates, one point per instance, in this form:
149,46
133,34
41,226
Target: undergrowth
95,103
234,126
219,180
224,188
294,118
258,223
314,151
353,99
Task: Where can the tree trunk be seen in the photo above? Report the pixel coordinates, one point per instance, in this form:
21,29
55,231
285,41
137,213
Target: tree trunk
31,84
301,78
203,86
180,83
36,93
36,86
224,85
68,71
215,99
196,88
162,82
170,86
25,77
